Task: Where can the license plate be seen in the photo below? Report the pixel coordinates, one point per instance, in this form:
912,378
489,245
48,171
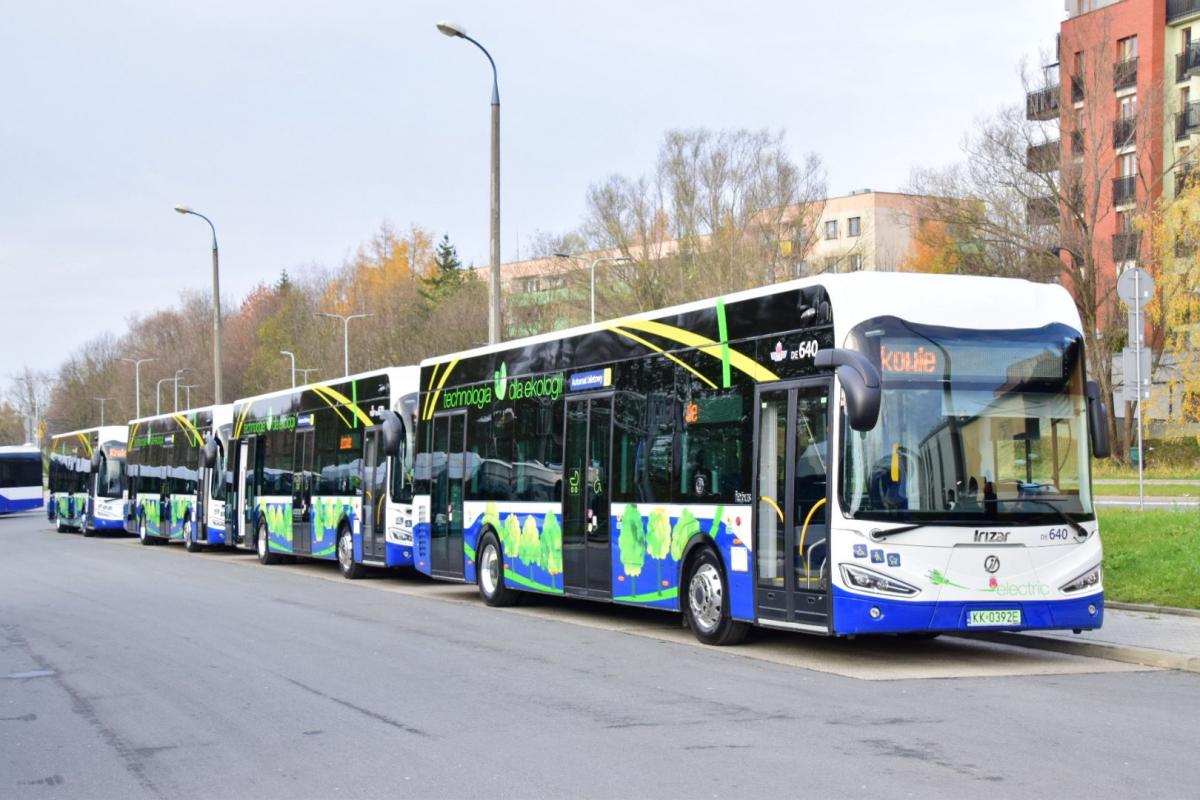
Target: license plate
993,616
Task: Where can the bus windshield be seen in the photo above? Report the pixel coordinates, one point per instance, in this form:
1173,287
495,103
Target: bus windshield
974,427
110,476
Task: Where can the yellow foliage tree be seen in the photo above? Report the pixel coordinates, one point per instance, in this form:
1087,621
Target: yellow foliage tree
934,250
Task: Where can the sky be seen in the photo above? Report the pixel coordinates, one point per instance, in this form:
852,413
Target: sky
299,127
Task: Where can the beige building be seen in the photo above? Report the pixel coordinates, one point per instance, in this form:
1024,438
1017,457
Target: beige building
863,231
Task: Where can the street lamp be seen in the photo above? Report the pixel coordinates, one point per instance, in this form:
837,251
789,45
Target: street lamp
137,383
455,30
216,304
157,398
595,262
345,333
292,356
178,372
101,399
187,402
304,373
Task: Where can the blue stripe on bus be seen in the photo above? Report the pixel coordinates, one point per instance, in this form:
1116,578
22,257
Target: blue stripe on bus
851,614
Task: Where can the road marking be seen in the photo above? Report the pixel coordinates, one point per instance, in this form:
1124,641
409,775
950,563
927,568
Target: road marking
865,658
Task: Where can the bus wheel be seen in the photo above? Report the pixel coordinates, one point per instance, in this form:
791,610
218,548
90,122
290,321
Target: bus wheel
189,540
265,556
707,606
88,532
144,533
490,575
345,555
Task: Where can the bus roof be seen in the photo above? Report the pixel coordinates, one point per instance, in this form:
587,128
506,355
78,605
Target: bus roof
396,375
217,411
950,300
103,433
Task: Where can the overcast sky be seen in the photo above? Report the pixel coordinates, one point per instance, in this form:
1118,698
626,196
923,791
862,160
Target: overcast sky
300,126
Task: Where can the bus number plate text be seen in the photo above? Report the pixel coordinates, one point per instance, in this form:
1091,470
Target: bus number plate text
991,616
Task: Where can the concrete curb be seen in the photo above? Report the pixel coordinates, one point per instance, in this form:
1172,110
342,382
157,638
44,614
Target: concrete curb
1129,655
1151,609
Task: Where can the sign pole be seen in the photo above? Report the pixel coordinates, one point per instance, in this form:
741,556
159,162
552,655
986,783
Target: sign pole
1137,283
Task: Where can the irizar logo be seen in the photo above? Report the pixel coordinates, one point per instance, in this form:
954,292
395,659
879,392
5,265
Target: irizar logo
501,381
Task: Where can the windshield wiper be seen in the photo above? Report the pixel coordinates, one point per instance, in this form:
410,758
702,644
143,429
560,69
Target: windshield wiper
879,533
1079,529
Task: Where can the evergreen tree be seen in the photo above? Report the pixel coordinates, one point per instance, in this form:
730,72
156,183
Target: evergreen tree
447,275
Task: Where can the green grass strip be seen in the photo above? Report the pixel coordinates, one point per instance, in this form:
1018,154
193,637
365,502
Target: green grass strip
1151,556
521,580
650,597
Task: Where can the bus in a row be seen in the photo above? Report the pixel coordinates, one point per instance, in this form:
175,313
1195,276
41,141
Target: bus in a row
840,455
87,479
20,478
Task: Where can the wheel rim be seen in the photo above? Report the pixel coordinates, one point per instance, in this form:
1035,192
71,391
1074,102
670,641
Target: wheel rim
142,530
706,598
262,544
345,551
489,570
187,531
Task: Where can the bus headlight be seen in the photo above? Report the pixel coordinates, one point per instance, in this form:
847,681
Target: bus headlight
1085,581
869,580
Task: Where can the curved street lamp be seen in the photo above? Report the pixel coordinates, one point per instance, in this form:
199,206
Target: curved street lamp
216,303
595,262
456,31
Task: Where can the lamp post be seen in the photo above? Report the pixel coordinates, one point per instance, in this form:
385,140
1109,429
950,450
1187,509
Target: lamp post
345,318
178,372
101,399
216,303
304,373
592,269
157,399
292,356
137,383
454,30
187,401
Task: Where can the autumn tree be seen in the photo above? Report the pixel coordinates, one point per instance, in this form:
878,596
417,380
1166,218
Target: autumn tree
12,425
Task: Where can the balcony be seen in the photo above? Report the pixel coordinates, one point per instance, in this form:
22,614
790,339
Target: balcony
1124,133
1187,121
1076,89
1077,144
1042,158
1042,104
1125,74
1182,8
1187,63
1041,211
1124,190
1125,246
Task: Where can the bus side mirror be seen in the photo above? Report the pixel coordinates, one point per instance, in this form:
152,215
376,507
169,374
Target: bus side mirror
860,380
208,455
95,461
1097,414
392,430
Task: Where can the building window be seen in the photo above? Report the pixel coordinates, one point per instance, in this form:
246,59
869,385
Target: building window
853,226
1128,106
1127,48
831,229
1128,165
856,262
831,263
1124,222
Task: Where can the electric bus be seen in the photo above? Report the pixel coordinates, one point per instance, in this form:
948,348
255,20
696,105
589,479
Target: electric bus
87,480
20,479
164,475
324,471
842,455
215,483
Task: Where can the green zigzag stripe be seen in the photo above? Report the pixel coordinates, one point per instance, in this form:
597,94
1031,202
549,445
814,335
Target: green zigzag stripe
521,580
650,597
470,551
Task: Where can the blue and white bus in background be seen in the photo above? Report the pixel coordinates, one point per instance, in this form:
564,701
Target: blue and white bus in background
20,479
324,471
87,479
872,453
164,474
215,483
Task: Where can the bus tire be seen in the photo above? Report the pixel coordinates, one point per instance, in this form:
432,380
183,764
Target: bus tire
144,533
706,606
88,531
262,547
189,536
345,555
489,574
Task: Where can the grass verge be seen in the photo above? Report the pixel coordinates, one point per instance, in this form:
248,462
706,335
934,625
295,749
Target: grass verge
1151,556
1152,490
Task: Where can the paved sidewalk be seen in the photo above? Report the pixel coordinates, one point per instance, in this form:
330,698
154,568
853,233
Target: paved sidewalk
1150,638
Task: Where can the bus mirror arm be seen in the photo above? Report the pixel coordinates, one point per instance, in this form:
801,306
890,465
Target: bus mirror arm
208,455
861,382
95,460
1097,413
392,430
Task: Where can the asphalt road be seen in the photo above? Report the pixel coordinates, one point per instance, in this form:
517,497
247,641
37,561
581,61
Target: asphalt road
146,672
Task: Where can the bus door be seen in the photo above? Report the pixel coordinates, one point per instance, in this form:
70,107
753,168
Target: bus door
246,475
791,530
446,555
374,513
302,493
587,499
204,478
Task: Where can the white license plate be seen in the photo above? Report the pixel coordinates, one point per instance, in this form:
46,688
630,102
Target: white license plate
993,616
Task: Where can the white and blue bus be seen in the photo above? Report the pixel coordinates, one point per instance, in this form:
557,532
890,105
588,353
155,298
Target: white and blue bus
20,479
87,480
164,455
842,455
324,471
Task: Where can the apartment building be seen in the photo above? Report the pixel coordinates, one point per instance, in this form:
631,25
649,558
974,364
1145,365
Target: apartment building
863,231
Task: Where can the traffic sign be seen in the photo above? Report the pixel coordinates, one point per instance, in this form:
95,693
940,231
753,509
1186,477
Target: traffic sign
1135,286
1129,367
